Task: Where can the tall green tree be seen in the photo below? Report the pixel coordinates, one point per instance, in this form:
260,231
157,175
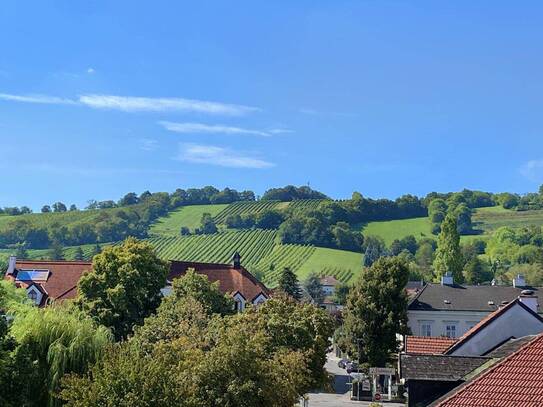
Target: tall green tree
448,256
376,311
56,252
313,287
79,255
124,286
288,283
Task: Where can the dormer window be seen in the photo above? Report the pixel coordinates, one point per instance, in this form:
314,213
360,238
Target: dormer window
239,304
34,294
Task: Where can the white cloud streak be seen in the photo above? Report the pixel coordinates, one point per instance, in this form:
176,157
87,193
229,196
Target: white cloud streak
40,99
193,128
147,144
138,104
220,156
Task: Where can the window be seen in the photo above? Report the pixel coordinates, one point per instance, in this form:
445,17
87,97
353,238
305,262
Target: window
32,295
425,328
450,330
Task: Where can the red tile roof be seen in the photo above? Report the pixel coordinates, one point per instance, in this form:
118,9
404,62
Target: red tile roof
231,279
61,283
429,345
485,322
517,380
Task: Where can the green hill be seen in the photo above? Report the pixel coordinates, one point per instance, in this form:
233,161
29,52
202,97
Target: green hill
186,216
397,229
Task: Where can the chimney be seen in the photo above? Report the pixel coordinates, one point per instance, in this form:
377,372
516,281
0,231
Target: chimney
447,279
518,281
528,298
236,260
11,265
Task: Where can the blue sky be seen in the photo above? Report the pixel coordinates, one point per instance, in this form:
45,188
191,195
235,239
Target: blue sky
99,98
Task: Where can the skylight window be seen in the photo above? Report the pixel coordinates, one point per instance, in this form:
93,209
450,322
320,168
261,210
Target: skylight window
32,275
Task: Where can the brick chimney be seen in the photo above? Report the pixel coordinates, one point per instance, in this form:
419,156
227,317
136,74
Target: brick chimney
11,265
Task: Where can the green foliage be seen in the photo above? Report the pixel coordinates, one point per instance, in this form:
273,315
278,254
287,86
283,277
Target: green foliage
207,224
79,255
291,193
198,287
56,252
50,343
448,256
267,356
476,272
124,286
341,293
376,311
288,283
313,287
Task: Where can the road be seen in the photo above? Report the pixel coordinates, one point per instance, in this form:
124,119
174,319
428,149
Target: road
341,397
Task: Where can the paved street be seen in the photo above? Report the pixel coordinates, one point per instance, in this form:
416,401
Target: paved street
341,397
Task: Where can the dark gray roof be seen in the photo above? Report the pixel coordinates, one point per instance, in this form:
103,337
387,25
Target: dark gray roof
437,297
438,367
510,346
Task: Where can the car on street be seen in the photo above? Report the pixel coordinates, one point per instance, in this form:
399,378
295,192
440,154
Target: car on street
342,363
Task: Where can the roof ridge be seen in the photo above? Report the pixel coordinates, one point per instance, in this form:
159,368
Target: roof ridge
473,381
53,262
487,320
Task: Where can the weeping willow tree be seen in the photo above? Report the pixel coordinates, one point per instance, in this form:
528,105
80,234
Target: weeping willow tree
51,343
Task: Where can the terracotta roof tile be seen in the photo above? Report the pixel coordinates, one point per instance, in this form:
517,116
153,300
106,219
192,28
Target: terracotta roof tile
515,381
230,278
62,280
429,345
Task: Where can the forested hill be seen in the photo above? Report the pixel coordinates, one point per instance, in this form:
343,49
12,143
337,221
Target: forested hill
290,223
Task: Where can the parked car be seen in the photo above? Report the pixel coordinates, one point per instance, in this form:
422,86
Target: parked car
342,363
351,367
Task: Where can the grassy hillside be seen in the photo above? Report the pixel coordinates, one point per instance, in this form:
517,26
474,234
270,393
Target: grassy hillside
397,229
342,264
485,220
253,245
188,216
490,219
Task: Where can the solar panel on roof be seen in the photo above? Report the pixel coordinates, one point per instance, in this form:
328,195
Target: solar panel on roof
32,275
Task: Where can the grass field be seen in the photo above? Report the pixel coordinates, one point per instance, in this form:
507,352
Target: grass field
342,264
188,216
69,252
397,229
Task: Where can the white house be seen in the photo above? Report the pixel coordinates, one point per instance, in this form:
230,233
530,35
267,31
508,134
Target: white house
450,310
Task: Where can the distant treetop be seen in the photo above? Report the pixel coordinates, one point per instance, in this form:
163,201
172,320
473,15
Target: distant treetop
291,193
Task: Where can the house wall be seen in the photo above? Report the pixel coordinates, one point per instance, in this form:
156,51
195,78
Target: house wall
516,322
328,290
463,320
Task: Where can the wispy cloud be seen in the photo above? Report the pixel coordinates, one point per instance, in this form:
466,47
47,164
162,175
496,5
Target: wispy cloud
90,71
220,156
192,128
147,144
138,104
42,99
533,170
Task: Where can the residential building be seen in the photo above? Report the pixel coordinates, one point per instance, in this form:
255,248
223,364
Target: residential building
516,380
47,281
450,310
329,284
233,280
431,366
